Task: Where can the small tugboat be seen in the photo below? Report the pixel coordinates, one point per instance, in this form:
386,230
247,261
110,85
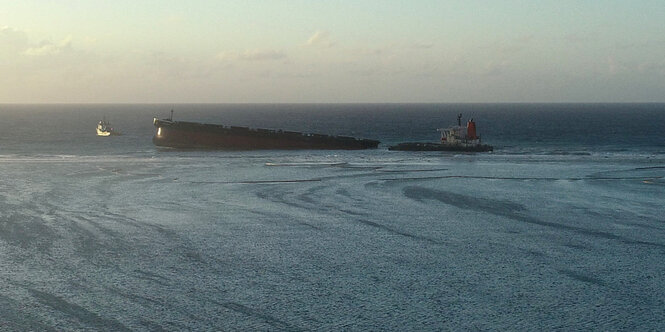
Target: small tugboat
194,135
456,138
104,129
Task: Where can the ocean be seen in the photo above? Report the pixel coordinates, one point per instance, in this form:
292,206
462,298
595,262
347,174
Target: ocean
561,227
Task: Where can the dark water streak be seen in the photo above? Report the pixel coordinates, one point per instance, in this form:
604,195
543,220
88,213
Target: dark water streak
510,210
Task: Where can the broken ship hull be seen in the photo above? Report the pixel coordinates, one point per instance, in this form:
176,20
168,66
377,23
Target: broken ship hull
455,138
416,146
192,135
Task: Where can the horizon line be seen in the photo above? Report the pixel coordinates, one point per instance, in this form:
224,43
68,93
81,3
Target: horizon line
332,103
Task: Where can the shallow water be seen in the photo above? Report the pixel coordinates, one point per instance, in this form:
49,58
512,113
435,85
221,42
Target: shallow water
114,234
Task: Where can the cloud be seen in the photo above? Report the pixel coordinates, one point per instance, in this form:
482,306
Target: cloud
15,42
615,66
371,51
652,67
422,45
516,45
174,19
494,68
320,39
170,66
526,39
227,56
12,39
252,55
49,48
262,55
581,38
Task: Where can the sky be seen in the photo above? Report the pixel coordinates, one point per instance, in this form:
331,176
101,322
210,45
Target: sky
331,51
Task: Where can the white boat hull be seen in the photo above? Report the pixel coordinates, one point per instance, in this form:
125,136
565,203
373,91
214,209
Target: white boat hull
103,133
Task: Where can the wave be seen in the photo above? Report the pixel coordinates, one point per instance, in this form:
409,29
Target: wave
308,164
66,158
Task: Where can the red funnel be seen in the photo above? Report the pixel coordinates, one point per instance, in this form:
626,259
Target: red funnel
471,130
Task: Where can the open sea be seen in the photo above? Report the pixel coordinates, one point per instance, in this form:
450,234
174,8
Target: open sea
562,227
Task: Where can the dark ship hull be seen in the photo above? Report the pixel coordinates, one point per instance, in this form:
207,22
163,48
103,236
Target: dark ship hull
192,135
440,147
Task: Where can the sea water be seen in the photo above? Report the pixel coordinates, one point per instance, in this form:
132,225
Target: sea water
561,227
